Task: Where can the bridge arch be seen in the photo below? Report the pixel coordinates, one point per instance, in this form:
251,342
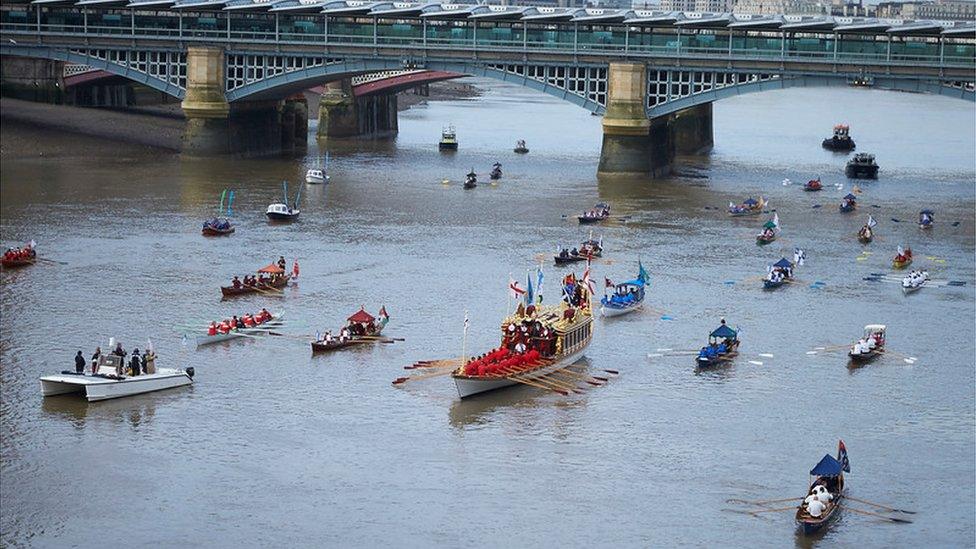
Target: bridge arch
758,83
161,70
587,91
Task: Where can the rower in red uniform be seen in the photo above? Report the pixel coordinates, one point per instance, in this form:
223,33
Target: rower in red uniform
236,282
225,326
248,320
212,329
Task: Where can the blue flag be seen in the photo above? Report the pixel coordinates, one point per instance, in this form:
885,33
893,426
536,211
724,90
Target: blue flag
538,286
641,273
529,293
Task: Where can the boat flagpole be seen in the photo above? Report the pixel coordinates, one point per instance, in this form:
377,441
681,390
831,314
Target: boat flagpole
220,208
464,340
230,200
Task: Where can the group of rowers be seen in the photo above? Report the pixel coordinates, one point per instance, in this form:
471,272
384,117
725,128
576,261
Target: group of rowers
354,329
252,280
138,365
915,278
237,322
596,214
778,274
868,344
20,254
523,345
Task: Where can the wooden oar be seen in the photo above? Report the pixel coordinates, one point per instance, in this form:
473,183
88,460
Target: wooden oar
532,383
51,261
512,373
401,380
869,513
762,502
575,377
791,508
878,505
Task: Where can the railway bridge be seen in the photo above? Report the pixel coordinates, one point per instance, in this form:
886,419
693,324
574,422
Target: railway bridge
652,74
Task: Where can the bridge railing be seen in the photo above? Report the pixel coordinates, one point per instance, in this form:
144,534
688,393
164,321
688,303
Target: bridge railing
318,32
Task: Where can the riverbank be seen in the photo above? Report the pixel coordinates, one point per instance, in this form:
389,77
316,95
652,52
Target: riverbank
29,129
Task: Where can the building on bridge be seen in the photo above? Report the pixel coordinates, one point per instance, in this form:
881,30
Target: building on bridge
238,65
943,10
786,7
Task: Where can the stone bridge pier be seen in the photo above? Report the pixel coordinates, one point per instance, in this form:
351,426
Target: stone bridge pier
215,126
634,145
342,114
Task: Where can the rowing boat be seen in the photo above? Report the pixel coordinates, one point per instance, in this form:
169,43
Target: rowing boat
210,230
723,346
279,283
903,259
13,263
870,346
369,329
600,212
627,296
826,493
749,206
258,329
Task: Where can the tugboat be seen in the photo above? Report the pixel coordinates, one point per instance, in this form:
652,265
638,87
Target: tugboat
520,147
281,211
471,180
448,139
841,140
496,171
862,166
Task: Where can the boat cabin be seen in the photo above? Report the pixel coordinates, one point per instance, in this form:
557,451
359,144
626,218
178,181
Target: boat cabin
842,131
280,209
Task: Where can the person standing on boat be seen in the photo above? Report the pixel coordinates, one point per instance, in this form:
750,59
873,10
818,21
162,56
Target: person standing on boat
135,363
79,363
94,360
282,262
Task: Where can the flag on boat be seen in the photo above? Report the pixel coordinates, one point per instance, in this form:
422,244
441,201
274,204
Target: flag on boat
382,313
642,273
871,221
901,251
607,282
230,200
529,292
32,244
590,286
776,220
223,195
294,269
466,322
538,284
845,462
514,289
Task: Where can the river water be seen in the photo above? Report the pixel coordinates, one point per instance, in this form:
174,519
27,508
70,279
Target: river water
274,447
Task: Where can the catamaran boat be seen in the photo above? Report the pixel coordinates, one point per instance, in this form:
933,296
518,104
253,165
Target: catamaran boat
107,382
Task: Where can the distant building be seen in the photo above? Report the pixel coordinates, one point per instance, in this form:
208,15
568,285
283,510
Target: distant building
785,7
848,8
706,6
941,10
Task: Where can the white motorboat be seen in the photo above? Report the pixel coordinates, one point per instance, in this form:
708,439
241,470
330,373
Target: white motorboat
106,383
281,211
316,176
260,329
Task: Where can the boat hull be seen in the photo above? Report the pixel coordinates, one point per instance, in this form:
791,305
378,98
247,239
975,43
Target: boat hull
583,220
810,526
470,386
861,172
772,285
762,241
315,180
911,289
901,264
239,333
210,231
840,145
446,146
609,311
864,357
521,150
275,216
15,263
96,388
230,291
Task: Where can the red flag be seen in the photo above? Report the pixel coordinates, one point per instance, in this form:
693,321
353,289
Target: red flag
383,312
294,269
513,287
608,282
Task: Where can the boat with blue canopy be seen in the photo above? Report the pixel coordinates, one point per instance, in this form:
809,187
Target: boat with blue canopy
627,296
723,346
823,501
783,271
849,204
